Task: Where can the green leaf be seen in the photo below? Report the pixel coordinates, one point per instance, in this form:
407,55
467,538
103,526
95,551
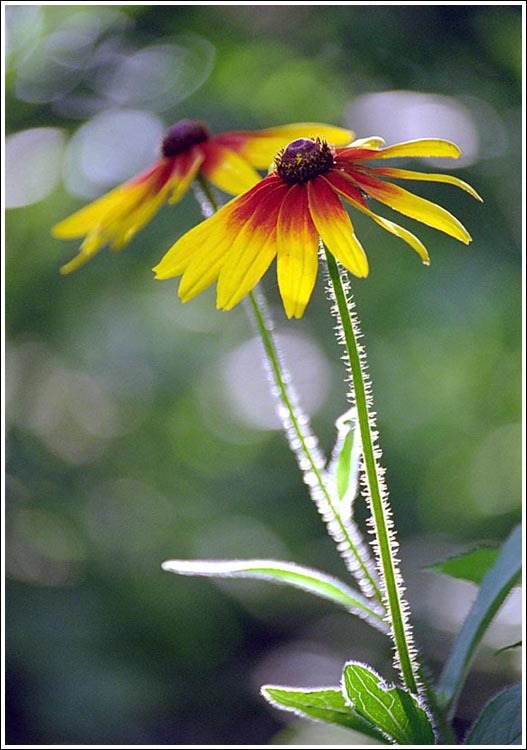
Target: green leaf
344,467
495,586
397,713
321,704
470,566
345,460
277,571
500,722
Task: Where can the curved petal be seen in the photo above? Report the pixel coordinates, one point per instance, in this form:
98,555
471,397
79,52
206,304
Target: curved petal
94,242
298,242
120,219
421,147
260,147
412,205
199,253
116,217
335,227
123,232
407,174
106,208
253,247
227,169
350,193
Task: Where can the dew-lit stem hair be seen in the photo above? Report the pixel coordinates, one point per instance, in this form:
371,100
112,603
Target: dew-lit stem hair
372,474
310,459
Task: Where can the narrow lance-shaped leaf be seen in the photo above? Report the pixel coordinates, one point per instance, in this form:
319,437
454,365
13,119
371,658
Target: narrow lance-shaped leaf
470,566
345,461
320,704
277,571
393,710
495,586
500,722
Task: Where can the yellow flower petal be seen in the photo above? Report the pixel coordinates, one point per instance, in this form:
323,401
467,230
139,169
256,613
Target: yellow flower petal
90,247
420,148
253,248
344,187
228,170
412,205
203,238
298,242
123,231
260,147
122,199
201,249
335,227
407,174
400,232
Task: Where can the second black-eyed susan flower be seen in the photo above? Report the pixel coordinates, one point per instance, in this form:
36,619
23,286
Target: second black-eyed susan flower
295,206
228,160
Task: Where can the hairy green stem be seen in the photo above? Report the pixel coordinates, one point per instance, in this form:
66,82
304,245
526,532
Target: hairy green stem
296,423
306,446
385,541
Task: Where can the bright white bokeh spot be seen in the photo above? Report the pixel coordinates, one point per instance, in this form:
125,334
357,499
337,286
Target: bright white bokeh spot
247,387
109,149
160,76
33,162
407,115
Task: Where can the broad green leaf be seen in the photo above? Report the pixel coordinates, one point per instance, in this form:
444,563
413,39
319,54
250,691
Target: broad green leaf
470,566
495,586
321,704
500,722
397,713
277,571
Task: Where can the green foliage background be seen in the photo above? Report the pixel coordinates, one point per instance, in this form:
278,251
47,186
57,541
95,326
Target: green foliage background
122,448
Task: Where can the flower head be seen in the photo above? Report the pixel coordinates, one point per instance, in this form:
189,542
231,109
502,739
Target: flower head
297,205
228,160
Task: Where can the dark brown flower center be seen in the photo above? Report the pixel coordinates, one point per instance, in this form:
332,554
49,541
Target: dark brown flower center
182,136
304,159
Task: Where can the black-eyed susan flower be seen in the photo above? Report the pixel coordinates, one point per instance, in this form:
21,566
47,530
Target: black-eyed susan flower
228,160
295,206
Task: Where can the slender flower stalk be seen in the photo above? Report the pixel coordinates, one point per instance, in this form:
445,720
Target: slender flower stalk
302,441
305,446
376,492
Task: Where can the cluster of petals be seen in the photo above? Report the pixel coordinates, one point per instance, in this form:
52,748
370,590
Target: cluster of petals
228,160
284,217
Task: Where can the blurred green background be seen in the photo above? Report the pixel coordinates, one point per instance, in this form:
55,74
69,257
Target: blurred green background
140,429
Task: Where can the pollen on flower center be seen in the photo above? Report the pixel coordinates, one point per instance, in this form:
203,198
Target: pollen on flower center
304,159
182,136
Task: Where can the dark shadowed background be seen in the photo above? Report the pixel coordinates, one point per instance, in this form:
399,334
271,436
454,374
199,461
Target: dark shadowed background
140,429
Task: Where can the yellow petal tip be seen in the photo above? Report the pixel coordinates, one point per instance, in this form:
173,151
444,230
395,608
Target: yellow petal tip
77,262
